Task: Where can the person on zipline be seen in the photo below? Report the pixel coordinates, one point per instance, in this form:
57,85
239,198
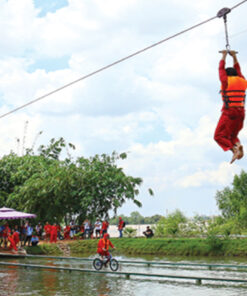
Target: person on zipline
233,86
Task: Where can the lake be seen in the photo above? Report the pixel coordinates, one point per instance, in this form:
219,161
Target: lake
20,281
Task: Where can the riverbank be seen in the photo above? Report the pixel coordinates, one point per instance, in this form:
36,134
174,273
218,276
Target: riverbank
156,246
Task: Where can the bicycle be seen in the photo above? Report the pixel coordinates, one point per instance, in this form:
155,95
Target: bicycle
98,263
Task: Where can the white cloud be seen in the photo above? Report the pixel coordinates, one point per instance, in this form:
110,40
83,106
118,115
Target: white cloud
162,105
223,175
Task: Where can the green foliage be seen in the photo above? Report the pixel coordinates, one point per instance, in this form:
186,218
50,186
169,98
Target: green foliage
169,226
129,232
160,227
233,201
44,249
215,243
225,227
57,189
136,218
152,219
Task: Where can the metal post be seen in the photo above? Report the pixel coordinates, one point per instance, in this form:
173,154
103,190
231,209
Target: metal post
198,282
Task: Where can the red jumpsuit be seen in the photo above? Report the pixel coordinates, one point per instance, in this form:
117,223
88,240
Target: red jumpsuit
104,243
232,118
16,237
53,237
104,227
47,229
12,243
66,232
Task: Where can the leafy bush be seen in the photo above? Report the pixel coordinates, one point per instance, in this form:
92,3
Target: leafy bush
130,232
221,226
169,226
214,242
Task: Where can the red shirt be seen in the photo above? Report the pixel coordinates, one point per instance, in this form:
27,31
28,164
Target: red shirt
6,231
105,225
120,224
47,228
67,229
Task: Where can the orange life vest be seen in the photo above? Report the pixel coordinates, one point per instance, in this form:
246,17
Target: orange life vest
234,95
106,244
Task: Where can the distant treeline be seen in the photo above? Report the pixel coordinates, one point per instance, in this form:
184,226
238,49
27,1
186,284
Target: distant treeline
136,218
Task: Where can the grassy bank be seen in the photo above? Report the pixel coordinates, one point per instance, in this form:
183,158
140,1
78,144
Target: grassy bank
44,249
140,246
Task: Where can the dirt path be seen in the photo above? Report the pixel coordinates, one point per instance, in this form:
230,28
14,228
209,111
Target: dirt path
64,248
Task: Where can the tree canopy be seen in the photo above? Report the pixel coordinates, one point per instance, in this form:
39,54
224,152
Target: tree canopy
233,201
136,218
56,189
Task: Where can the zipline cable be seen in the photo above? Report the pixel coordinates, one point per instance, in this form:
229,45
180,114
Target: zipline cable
238,4
114,63
104,68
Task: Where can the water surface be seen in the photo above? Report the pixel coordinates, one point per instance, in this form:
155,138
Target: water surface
20,281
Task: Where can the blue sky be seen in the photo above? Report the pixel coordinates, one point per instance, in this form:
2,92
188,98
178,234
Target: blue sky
161,106
46,6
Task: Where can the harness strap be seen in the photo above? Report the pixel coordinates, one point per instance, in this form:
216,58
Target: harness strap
234,97
235,90
227,100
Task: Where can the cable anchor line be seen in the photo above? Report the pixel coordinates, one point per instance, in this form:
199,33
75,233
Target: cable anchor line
223,13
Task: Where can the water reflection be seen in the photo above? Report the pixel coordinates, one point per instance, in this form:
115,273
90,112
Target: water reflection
50,282
103,288
11,280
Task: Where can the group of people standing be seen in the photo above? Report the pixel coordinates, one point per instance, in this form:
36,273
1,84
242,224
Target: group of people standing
91,230
86,230
17,236
53,232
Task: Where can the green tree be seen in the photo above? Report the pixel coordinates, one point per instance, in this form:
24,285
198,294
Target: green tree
232,202
153,219
55,189
169,226
115,219
136,218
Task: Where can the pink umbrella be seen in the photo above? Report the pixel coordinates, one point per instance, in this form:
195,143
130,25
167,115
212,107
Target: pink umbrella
6,214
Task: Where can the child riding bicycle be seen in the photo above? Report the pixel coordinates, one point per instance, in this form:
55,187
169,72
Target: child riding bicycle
103,248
